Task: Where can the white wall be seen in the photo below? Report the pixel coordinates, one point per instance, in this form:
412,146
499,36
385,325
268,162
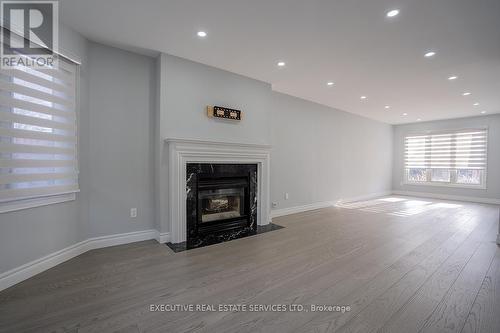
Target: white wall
492,122
321,154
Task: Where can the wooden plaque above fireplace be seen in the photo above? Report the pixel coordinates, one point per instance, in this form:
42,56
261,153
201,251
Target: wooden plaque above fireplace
224,113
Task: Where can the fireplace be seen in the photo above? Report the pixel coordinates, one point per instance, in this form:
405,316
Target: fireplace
221,202
200,155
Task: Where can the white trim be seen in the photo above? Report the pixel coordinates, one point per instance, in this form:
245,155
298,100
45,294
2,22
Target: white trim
448,184
26,203
21,273
324,204
119,239
218,143
365,197
498,235
300,209
183,151
490,201
162,237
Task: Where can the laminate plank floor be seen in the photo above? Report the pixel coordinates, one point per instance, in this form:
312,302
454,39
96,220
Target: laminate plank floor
393,264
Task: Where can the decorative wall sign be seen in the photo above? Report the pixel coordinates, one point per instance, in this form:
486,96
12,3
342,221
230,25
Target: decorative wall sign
224,113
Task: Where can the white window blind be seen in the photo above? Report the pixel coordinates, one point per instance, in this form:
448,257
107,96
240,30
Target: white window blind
455,157
38,152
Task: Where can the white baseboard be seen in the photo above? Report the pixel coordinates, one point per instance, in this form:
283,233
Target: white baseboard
162,237
299,209
21,273
324,204
365,197
119,239
448,197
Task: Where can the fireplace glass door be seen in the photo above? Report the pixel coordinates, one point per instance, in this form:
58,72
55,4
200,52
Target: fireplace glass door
221,204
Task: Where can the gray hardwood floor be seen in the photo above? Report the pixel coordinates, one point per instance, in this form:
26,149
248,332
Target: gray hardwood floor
401,264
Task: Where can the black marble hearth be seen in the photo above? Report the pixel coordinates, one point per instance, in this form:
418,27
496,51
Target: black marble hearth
180,247
221,202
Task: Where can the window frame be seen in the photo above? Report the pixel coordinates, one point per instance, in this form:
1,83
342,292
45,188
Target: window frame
54,198
453,172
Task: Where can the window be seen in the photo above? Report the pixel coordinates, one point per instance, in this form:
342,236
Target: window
38,142
454,158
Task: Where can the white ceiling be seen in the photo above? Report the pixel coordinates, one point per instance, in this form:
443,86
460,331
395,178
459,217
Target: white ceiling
350,42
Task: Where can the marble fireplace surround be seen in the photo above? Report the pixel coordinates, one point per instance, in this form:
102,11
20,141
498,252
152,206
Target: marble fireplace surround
183,151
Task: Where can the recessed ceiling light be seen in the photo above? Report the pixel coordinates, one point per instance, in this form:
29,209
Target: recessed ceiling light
466,93
419,119
201,34
387,107
329,83
405,114
392,13
281,63
363,97
453,77
483,112
430,54
476,104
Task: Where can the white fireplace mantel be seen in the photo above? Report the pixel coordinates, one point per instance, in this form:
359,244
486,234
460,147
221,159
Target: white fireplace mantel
183,151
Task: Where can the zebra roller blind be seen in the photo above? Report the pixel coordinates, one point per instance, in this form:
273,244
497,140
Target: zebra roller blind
454,156
38,138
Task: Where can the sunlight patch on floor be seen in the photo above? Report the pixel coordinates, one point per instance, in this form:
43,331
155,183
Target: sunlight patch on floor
396,206
392,199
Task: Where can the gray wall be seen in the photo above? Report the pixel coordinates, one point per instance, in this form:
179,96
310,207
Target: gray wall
30,234
186,88
319,153
121,149
322,154
492,122
115,141
191,86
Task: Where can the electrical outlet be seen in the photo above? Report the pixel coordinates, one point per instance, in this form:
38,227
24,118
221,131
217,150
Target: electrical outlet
286,196
275,204
133,212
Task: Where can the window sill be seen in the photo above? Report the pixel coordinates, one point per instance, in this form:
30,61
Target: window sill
462,186
21,204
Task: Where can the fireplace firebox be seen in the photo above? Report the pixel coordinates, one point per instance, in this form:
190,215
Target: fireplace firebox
221,202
